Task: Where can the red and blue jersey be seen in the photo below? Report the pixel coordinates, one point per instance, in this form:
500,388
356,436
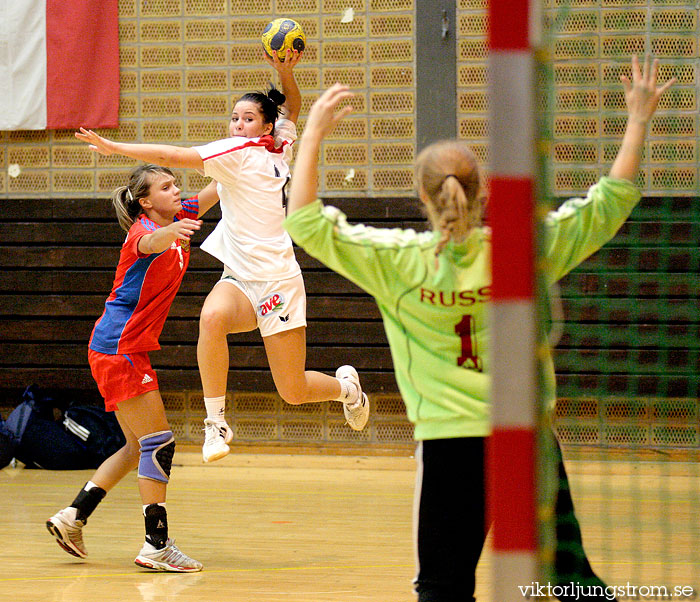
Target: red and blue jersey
143,290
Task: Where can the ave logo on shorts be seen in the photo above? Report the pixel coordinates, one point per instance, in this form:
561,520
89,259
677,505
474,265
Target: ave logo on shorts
270,304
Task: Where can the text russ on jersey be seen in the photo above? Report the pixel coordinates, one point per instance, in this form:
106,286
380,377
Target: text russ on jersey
461,298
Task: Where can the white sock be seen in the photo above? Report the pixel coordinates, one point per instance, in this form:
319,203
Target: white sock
348,391
89,485
216,408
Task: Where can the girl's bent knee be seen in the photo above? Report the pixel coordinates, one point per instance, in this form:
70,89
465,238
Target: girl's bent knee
213,322
293,398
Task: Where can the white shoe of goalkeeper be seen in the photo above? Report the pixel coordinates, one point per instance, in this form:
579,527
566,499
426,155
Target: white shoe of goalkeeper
356,410
217,436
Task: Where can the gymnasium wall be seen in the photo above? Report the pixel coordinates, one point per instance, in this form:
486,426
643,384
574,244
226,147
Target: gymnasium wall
630,341
185,62
628,360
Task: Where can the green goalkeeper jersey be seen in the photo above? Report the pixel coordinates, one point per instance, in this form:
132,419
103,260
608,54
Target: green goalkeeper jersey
435,309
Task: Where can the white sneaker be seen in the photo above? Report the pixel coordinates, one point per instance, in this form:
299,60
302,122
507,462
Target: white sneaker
217,436
169,559
68,531
356,410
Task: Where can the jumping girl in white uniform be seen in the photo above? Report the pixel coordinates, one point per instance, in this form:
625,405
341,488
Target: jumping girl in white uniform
261,286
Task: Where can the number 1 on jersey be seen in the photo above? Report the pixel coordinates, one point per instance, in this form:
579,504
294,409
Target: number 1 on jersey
465,331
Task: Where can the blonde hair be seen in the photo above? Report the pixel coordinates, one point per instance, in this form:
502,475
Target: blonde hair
126,198
448,181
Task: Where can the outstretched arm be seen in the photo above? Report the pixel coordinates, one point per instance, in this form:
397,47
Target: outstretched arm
642,97
291,106
323,117
159,240
578,229
159,154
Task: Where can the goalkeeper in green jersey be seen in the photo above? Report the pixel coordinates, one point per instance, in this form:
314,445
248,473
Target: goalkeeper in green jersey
433,292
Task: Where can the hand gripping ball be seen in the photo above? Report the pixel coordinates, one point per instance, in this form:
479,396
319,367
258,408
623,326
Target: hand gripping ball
282,34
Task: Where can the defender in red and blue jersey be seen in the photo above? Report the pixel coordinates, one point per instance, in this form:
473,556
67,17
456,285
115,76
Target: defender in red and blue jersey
143,291
152,263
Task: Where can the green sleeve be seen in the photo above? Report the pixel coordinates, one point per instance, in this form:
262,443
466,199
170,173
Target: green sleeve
372,258
581,226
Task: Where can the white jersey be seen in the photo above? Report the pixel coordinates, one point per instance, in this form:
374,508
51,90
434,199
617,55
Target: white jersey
251,175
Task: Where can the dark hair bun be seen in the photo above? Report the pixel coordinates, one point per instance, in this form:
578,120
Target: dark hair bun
276,96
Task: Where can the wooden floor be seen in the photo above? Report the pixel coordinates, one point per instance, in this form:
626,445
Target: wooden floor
640,519
310,528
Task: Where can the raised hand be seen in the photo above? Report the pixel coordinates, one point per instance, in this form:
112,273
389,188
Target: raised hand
641,93
291,59
642,97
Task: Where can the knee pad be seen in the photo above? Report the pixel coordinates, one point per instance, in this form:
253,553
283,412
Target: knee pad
157,451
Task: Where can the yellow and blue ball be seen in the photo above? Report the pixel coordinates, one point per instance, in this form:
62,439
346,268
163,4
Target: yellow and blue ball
282,34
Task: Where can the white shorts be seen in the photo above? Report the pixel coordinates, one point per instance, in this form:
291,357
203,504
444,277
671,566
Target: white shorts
279,305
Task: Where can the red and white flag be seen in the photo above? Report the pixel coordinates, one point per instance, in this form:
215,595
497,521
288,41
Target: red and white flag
59,64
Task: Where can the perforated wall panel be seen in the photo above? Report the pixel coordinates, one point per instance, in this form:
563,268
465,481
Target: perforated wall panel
184,62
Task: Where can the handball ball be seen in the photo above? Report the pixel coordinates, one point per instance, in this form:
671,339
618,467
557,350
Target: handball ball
282,34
